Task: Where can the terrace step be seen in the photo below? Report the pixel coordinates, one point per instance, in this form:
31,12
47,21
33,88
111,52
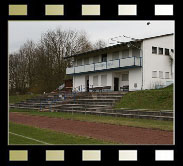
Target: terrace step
139,112
119,114
92,101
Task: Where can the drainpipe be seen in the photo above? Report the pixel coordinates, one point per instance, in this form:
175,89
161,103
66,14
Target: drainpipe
141,62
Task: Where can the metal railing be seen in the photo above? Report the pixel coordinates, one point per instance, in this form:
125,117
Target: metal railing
48,103
111,64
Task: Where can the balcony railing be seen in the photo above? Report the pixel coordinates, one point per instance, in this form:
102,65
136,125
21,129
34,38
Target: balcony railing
112,64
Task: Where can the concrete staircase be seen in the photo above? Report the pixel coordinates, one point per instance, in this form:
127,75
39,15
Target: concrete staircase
103,103
46,101
91,102
141,113
94,103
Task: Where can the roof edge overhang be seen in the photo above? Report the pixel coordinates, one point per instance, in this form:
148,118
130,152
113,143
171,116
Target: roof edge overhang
116,46
104,49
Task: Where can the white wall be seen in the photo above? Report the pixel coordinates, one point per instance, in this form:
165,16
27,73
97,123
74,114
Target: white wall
79,80
135,76
156,62
151,62
109,78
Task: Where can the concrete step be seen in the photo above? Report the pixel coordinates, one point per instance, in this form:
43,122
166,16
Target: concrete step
80,108
140,112
95,103
27,106
21,107
107,93
35,104
168,118
107,100
89,101
103,97
119,115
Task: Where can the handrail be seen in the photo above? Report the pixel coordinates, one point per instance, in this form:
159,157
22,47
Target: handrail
106,61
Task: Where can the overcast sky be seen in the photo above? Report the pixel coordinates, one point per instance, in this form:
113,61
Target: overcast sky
20,31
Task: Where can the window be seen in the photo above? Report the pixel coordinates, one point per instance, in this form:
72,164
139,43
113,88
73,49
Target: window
135,52
154,74
103,80
86,61
95,80
161,51
125,53
167,51
95,59
124,77
75,63
104,57
79,62
154,50
167,75
160,74
115,55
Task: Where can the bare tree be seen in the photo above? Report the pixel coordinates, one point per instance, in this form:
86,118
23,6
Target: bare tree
18,72
41,67
99,44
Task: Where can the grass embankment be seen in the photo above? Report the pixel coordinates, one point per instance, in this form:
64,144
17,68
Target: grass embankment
144,123
32,135
157,99
18,98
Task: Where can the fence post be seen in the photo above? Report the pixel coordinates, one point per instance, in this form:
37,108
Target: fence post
75,97
85,109
40,105
50,106
64,96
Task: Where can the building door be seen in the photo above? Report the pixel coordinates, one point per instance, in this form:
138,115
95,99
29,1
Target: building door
87,85
116,84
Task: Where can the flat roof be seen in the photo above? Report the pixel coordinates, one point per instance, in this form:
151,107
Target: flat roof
116,46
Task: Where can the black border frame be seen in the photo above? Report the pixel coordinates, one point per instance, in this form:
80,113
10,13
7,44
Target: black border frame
72,11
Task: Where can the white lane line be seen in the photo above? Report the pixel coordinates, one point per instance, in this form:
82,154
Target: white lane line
30,138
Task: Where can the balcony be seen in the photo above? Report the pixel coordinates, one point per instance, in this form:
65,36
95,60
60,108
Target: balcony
104,66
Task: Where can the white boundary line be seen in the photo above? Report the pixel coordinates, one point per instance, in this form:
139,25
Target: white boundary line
30,138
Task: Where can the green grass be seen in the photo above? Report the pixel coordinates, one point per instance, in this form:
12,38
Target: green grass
18,98
144,123
17,140
157,99
47,136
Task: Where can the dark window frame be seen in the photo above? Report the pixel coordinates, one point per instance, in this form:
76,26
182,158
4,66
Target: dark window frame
166,75
161,76
85,61
167,53
113,54
156,74
104,57
160,48
153,50
124,76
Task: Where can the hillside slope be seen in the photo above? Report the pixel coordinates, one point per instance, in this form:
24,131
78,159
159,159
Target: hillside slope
160,99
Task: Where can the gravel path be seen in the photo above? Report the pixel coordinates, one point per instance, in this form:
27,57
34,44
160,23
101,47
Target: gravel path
106,132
